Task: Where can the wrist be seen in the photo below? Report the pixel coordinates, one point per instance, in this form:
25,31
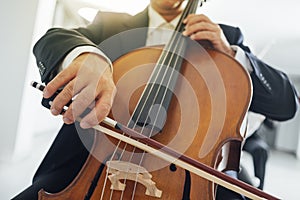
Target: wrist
105,60
81,50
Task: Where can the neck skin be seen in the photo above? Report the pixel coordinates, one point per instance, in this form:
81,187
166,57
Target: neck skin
168,11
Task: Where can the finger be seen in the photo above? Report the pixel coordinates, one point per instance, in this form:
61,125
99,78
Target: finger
59,81
195,18
82,101
100,111
202,26
89,86
204,35
63,98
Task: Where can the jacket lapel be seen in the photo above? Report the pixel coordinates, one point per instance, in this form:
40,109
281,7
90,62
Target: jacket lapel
132,35
137,27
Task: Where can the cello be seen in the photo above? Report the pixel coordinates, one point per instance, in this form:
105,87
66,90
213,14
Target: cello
190,102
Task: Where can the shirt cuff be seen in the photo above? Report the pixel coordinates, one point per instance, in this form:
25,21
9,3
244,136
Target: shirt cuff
255,120
241,57
79,50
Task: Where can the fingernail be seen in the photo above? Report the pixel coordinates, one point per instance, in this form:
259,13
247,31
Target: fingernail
67,120
85,125
45,93
54,111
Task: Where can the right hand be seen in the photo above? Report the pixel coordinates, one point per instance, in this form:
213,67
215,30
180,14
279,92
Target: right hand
89,78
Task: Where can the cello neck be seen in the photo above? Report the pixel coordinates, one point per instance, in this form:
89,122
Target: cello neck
190,8
161,84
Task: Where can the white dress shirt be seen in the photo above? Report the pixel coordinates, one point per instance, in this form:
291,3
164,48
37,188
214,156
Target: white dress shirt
159,31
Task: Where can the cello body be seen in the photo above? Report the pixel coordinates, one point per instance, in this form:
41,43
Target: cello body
203,121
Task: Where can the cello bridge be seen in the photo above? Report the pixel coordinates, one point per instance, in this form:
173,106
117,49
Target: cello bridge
119,170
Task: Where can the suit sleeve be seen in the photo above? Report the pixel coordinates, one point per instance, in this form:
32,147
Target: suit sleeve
273,93
52,48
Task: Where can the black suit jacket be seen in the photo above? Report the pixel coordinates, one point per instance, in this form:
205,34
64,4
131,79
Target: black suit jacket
273,94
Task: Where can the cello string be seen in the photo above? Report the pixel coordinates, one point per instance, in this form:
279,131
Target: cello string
130,158
142,130
181,47
157,73
172,55
152,130
182,41
163,57
149,135
160,67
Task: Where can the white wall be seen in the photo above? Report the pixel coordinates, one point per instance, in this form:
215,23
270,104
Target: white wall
22,23
17,22
288,133
35,119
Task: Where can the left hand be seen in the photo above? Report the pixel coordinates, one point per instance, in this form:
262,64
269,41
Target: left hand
200,27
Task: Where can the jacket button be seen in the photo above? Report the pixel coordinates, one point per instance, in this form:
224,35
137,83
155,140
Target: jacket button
41,67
